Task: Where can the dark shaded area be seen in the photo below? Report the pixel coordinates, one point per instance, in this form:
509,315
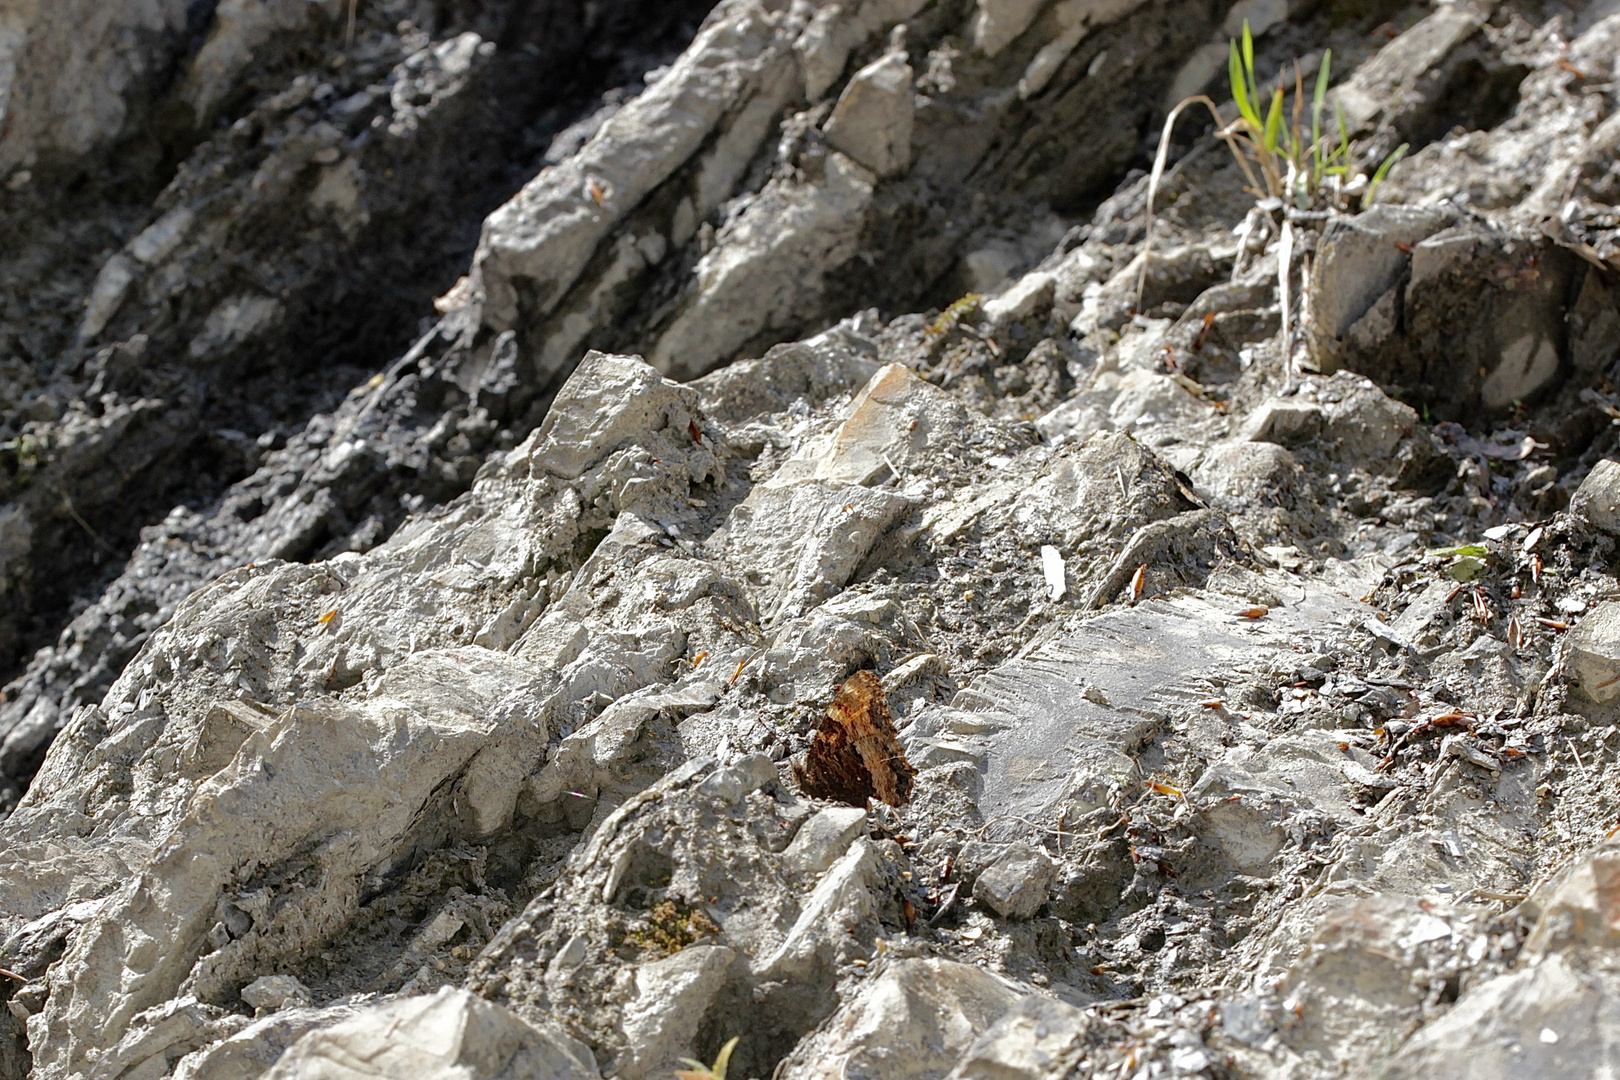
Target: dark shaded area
350,299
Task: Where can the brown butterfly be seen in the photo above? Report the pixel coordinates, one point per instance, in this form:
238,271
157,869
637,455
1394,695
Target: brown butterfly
855,754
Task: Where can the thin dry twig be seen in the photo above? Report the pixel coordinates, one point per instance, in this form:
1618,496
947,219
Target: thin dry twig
1159,160
1285,258
1576,751
67,504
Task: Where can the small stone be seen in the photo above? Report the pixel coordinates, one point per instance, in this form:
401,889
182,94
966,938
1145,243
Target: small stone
1240,472
740,779
1036,1039
1595,653
1030,295
1016,884
998,22
1286,423
873,118
1597,500
272,992
1188,1059
821,840
1361,260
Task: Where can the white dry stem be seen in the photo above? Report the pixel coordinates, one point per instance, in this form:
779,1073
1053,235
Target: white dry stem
1305,296
1285,256
1159,160
1244,233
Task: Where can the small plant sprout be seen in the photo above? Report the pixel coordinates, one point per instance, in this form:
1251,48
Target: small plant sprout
717,1071
1288,167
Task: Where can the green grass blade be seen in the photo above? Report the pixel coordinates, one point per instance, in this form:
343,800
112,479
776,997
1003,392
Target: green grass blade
722,1062
1240,88
1248,52
1383,171
1319,98
1274,118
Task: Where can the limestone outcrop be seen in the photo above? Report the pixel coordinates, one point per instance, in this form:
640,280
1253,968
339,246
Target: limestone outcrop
454,454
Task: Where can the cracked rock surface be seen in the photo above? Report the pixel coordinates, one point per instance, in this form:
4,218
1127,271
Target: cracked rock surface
453,454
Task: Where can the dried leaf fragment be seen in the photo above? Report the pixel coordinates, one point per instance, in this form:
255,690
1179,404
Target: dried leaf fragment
1255,612
1052,568
855,754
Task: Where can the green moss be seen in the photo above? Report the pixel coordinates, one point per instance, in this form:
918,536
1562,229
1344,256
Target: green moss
670,928
954,314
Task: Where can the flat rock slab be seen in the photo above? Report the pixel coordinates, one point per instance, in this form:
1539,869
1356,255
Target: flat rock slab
1057,724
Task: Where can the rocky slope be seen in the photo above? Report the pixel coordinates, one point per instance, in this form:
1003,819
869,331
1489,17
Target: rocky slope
1243,603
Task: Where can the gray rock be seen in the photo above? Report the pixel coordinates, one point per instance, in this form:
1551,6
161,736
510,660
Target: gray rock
271,992
1594,649
1017,883
1037,1039
671,998
1469,290
1284,421
872,120
70,89
1542,1022
255,1049
1360,260
1030,295
910,1022
833,33
548,232
1391,84
450,1034
773,262
823,839
997,23
608,401
1597,500
735,782
1243,473
811,535
235,817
